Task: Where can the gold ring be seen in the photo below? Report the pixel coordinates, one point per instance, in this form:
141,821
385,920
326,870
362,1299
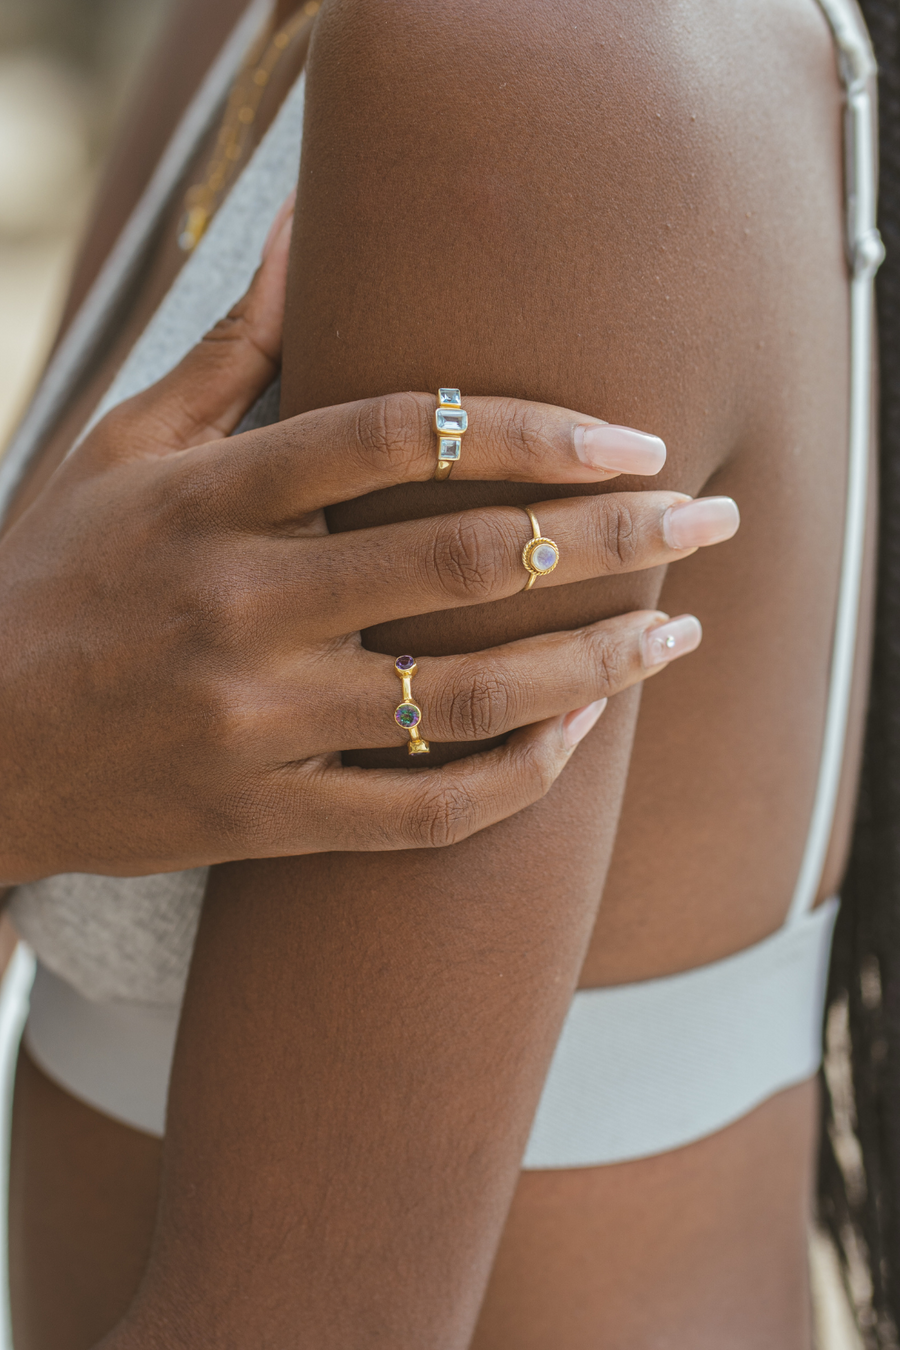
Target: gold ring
540,555
408,714
450,423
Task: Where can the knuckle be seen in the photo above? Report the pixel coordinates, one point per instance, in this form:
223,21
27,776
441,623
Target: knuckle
390,433
249,815
607,660
219,618
225,711
444,814
190,494
481,706
465,556
527,436
618,535
516,432
235,334
541,768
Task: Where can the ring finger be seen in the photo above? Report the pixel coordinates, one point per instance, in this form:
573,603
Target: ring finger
482,694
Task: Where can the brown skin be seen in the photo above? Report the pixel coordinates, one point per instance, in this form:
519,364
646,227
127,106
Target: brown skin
432,984
185,630
78,1173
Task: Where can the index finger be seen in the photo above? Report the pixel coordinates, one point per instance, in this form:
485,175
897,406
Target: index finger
335,454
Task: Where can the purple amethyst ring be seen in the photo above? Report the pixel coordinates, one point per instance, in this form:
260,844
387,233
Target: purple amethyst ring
540,555
408,714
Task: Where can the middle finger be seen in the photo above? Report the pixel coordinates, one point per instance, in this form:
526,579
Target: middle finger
374,576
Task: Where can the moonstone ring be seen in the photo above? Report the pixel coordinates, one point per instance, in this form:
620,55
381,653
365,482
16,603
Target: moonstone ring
540,555
450,423
408,714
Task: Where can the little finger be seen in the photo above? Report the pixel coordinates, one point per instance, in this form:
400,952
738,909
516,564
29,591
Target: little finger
327,807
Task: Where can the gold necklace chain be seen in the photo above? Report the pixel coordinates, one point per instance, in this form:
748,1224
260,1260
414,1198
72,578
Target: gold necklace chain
202,199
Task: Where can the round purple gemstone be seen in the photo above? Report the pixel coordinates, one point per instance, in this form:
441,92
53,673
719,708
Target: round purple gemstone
404,663
408,715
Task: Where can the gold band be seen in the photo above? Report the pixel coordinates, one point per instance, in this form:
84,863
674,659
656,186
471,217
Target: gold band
540,555
408,714
450,423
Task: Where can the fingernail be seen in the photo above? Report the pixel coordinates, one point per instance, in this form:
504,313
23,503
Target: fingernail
670,640
284,220
619,449
708,520
577,724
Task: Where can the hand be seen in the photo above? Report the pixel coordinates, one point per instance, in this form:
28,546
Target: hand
182,660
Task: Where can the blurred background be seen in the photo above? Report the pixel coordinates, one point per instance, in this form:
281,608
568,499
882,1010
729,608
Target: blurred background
65,70
66,67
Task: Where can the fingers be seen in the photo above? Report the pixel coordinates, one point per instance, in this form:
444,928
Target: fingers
480,695
485,694
381,809
207,394
471,557
335,454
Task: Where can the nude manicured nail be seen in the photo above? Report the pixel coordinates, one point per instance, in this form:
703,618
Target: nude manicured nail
578,723
619,449
670,640
708,520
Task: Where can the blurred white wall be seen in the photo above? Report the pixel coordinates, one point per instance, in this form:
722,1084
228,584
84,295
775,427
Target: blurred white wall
65,68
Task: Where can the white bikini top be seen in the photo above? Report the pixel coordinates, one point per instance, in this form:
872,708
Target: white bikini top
639,1069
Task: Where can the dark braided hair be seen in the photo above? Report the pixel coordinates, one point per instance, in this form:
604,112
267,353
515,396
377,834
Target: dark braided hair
859,1175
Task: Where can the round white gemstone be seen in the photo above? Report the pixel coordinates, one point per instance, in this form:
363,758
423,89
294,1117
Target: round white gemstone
544,558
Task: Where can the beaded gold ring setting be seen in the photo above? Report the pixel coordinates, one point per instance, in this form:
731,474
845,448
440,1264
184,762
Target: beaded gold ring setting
408,714
540,555
450,422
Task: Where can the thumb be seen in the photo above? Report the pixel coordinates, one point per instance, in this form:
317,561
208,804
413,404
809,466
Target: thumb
210,390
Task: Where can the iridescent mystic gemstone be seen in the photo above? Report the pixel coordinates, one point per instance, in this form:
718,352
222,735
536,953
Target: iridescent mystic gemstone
451,419
449,449
408,715
405,663
449,396
544,558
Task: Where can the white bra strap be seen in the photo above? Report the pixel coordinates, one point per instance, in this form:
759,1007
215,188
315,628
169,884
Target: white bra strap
865,253
78,345
641,1069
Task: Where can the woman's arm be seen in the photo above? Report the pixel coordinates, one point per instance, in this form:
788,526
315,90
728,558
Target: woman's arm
508,197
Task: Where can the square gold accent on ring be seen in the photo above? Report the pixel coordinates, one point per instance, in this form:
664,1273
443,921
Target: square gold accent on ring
449,398
449,449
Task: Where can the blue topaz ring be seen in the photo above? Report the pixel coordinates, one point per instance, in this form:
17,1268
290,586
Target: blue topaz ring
540,555
450,423
408,714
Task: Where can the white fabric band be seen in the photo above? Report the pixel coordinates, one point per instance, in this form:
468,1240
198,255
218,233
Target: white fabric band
644,1068
115,1057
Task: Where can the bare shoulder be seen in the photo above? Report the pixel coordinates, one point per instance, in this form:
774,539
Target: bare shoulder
652,180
